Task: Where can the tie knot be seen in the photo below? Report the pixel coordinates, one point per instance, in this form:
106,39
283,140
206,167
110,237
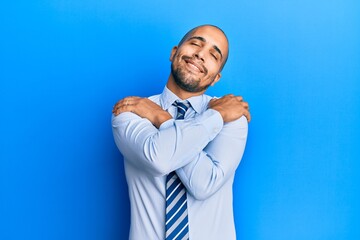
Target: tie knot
182,107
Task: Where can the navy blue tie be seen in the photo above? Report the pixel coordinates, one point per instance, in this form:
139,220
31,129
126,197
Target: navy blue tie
176,225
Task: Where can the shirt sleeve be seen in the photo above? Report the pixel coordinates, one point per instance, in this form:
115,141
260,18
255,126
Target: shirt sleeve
172,146
215,165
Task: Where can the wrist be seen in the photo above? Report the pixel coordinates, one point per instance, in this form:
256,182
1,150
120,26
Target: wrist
219,110
160,118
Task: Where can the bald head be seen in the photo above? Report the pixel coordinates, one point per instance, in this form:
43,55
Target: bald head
220,35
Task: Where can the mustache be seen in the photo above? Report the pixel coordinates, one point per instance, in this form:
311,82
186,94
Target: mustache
196,61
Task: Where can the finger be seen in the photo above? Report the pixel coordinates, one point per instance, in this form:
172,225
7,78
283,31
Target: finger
118,103
121,103
245,105
213,100
131,100
121,109
239,98
116,110
126,99
247,115
116,106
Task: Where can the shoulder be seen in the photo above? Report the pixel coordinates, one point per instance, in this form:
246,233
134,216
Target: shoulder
240,123
155,98
207,98
201,103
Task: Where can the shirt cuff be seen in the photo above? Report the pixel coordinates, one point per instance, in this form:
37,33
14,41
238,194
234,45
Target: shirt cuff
167,124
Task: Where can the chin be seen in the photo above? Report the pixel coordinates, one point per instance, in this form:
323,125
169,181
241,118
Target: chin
186,80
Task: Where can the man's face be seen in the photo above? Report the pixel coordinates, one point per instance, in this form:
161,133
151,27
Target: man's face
197,62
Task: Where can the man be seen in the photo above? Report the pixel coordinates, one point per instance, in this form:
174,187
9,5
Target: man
181,147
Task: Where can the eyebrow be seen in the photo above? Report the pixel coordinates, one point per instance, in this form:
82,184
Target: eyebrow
204,40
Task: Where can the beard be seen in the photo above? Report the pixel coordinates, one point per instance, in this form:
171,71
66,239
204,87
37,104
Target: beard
186,81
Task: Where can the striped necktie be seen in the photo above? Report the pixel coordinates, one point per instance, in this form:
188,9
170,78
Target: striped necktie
176,220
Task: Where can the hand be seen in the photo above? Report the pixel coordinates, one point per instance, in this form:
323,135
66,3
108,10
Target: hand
231,107
144,108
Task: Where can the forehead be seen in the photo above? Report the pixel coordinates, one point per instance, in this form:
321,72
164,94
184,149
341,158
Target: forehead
212,36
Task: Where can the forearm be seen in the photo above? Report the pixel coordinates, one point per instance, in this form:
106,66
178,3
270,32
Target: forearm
216,164
163,150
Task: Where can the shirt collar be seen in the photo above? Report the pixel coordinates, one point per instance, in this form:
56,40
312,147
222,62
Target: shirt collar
167,98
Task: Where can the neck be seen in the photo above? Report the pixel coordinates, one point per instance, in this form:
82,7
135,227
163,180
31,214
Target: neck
181,93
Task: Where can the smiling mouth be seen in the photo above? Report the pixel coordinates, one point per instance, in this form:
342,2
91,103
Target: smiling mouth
194,65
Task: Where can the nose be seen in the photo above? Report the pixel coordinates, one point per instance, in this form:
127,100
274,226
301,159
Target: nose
199,55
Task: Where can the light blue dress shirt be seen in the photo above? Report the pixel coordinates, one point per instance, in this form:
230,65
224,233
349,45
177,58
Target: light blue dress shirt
205,153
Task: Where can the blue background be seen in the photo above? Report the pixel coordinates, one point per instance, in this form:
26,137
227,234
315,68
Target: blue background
63,64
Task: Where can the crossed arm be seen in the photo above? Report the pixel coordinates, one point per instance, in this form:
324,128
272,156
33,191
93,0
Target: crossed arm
220,138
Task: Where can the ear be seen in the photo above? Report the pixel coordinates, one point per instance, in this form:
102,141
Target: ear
173,51
217,78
